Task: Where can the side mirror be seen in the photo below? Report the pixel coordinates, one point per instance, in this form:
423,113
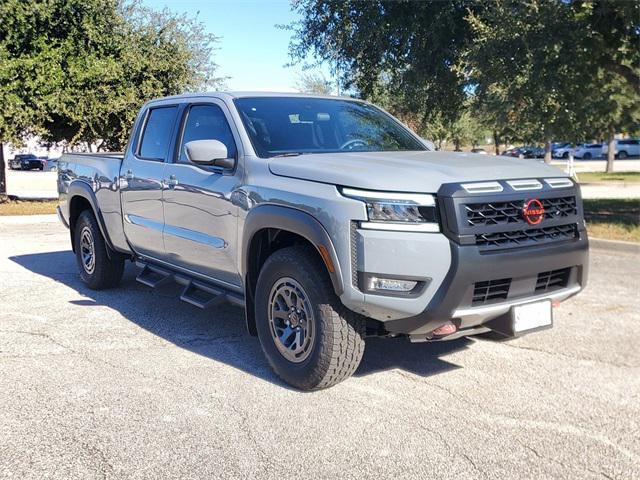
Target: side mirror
209,152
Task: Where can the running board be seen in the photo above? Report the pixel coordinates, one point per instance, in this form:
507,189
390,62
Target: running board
202,296
197,293
153,277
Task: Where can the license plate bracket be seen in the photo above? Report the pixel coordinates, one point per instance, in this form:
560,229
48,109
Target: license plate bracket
524,318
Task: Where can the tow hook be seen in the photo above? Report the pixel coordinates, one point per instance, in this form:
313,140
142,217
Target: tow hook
445,329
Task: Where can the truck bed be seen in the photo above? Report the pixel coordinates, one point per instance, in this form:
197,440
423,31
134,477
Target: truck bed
98,174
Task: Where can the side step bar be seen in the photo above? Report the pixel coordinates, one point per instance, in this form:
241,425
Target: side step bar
198,293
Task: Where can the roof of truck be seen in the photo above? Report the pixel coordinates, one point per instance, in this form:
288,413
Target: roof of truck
246,94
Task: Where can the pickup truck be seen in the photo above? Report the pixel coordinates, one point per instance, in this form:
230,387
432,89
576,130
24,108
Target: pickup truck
329,221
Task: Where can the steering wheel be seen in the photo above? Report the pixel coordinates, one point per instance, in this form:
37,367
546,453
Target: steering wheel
353,143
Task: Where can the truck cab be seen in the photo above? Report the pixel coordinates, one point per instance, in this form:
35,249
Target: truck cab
329,221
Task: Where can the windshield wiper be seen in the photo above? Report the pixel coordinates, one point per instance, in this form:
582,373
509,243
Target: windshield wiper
287,154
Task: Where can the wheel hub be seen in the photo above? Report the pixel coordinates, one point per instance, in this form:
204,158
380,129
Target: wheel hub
291,320
87,250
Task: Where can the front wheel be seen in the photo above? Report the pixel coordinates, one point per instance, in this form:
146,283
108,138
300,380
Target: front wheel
98,269
622,155
309,338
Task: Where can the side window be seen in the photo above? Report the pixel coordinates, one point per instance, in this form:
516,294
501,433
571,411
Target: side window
156,136
206,122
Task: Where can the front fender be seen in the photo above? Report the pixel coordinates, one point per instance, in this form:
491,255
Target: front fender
294,221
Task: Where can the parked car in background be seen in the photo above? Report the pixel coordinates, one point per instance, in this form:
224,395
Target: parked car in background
561,150
526,152
587,151
480,151
26,161
624,148
512,152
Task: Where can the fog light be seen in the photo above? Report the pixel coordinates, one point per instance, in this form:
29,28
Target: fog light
391,284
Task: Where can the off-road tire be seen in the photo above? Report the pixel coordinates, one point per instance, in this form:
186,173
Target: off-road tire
338,343
107,270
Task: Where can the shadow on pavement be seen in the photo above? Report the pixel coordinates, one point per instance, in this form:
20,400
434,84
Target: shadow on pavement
220,334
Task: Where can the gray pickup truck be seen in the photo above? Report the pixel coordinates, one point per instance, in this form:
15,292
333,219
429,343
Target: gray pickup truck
329,221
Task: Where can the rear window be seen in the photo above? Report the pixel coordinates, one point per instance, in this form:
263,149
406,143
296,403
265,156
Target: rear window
156,136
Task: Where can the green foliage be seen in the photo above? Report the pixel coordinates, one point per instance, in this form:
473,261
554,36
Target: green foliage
78,70
400,51
530,70
314,83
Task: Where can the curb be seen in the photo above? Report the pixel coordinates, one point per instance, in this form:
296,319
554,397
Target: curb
614,245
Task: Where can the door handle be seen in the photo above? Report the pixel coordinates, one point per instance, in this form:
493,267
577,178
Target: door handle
172,182
129,175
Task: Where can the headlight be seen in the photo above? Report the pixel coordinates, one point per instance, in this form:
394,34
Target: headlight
411,212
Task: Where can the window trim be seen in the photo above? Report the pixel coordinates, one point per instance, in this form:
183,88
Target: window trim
143,128
175,156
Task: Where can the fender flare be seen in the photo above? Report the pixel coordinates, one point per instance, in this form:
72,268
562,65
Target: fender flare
79,188
294,221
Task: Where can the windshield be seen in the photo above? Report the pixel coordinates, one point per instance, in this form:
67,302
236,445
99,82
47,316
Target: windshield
294,125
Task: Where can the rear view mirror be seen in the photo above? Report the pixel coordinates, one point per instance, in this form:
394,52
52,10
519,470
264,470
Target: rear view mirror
209,152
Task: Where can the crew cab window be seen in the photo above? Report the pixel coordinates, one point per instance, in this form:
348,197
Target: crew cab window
156,136
206,122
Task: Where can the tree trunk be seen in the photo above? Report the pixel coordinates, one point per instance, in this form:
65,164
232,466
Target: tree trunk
547,151
3,180
496,142
611,153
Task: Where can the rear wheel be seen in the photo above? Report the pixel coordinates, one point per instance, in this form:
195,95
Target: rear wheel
622,155
97,269
586,156
310,339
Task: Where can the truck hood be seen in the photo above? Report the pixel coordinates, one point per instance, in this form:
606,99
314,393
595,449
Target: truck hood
406,171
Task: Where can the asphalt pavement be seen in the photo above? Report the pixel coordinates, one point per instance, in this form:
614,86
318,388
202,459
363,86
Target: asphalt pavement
132,383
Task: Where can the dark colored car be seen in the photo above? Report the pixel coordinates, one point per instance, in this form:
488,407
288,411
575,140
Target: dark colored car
26,161
526,152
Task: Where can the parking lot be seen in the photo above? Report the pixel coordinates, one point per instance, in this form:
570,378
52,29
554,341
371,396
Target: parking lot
133,383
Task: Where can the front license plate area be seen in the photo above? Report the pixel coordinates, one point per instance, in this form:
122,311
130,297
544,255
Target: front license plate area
531,317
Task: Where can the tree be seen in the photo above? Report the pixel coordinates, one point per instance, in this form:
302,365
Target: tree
147,54
402,51
78,70
565,70
314,83
535,70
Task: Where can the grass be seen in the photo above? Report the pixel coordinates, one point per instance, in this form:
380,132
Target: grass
629,177
613,219
17,207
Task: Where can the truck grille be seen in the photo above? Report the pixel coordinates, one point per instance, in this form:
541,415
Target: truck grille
530,236
502,213
489,290
552,280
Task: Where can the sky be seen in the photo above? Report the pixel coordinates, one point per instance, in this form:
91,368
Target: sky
252,51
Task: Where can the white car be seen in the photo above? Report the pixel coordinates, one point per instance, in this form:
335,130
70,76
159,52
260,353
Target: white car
587,151
624,148
562,150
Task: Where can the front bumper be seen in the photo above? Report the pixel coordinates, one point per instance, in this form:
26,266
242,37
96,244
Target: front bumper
453,300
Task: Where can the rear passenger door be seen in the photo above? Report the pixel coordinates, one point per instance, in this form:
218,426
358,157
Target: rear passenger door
141,178
201,220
